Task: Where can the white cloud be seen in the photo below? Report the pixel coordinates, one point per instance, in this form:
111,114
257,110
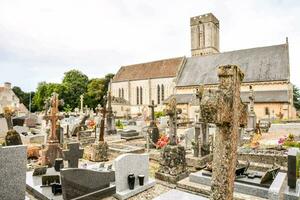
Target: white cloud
40,40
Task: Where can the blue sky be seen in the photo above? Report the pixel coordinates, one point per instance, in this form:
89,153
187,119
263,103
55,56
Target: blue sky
40,40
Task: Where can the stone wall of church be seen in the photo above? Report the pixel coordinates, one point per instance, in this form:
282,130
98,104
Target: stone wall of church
140,93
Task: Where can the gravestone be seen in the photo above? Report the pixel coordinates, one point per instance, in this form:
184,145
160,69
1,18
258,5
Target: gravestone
110,122
137,164
172,165
38,171
189,136
87,184
153,132
293,167
72,154
13,162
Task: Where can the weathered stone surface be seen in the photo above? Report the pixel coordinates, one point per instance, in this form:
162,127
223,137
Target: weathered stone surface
293,167
13,138
13,172
99,152
228,118
87,183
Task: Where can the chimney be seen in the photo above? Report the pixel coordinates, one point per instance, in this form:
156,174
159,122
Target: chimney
7,85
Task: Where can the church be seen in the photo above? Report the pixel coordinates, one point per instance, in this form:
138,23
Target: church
266,69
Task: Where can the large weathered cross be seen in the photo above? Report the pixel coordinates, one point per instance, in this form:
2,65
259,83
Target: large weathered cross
172,112
72,154
152,106
225,109
53,117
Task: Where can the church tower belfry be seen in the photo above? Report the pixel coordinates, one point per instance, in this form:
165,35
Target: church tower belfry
204,35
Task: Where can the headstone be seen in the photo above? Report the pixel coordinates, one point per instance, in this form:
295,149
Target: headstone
136,164
189,136
72,154
153,132
293,167
90,184
13,162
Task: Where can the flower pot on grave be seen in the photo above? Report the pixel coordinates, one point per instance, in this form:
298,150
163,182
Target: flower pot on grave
131,181
141,179
58,164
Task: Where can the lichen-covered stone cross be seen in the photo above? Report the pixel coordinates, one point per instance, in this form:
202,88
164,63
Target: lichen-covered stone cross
73,154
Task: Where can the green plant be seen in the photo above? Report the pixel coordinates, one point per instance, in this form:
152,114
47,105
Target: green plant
159,114
119,124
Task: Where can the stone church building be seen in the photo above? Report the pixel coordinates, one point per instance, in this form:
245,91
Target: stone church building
266,69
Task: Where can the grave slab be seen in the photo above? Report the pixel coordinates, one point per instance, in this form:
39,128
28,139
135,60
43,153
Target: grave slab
13,172
33,185
177,194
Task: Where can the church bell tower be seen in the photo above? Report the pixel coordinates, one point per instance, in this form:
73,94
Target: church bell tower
204,35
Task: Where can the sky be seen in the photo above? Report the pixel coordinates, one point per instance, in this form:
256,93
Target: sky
42,39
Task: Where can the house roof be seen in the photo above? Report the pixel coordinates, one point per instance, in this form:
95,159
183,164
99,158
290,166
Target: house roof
275,96
260,64
156,69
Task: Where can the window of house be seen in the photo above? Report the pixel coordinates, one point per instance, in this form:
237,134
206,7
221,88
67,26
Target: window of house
141,95
267,111
158,94
137,95
162,92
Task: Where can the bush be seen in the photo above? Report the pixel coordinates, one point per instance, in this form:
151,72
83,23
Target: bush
119,124
159,114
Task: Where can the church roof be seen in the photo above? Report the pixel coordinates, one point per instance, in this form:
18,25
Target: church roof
156,69
260,64
274,96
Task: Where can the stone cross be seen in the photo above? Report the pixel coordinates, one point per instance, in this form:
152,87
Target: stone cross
228,114
172,112
72,154
152,106
81,103
53,117
293,168
251,126
102,124
8,113
110,129
201,129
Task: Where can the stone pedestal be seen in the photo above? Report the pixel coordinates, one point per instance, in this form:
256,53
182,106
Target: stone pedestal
50,153
173,165
99,152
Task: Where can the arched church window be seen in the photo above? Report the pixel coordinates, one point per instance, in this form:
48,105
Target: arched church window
122,93
267,111
141,95
162,92
158,94
137,95
119,92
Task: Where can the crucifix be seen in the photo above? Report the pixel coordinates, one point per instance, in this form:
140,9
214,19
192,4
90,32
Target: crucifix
110,129
53,149
81,103
172,112
152,106
153,132
8,113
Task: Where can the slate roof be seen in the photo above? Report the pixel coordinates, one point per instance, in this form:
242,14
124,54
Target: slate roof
155,69
276,96
261,64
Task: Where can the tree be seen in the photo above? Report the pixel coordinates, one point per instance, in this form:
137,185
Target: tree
95,92
296,97
24,97
44,91
75,84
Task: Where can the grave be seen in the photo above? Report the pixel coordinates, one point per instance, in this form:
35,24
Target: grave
172,165
152,132
134,164
292,191
130,134
72,154
87,184
110,122
13,172
123,148
53,149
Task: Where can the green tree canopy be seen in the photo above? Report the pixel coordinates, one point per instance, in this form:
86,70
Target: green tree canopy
296,97
24,97
75,84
